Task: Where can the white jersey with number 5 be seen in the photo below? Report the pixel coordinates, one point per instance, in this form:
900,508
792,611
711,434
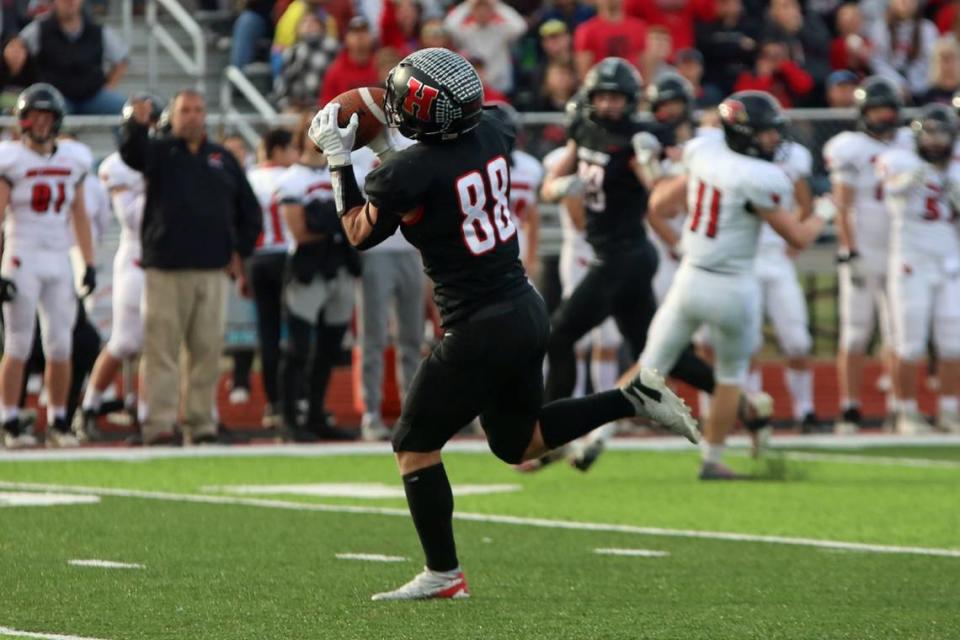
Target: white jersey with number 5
923,220
42,193
722,230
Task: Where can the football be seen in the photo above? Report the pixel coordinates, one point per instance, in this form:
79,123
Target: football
367,103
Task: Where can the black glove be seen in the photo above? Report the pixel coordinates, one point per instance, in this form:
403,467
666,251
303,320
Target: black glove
8,290
89,281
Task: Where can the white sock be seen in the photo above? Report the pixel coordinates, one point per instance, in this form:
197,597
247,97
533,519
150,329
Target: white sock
55,412
711,453
800,384
948,404
754,383
703,403
604,374
908,405
92,399
848,403
141,411
581,385
10,413
891,402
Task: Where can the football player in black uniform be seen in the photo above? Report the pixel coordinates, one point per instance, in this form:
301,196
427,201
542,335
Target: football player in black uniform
448,196
613,159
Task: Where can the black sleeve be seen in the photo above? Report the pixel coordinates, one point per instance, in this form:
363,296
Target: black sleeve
385,226
399,184
134,145
248,221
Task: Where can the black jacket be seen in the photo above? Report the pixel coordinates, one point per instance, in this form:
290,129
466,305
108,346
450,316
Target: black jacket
199,208
724,55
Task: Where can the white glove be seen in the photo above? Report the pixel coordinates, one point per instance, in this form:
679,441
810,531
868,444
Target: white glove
646,148
334,142
381,145
564,186
825,208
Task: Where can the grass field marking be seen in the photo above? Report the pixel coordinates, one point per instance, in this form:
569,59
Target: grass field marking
664,443
29,499
361,490
16,633
495,519
105,564
371,557
847,458
631,553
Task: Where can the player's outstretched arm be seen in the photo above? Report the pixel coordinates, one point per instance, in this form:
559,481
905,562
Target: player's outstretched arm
561,181
666,202
800,234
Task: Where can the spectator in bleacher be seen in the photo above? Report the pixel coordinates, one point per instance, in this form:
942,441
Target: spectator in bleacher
677,16
728,44
902,46
199,220
354,66
573,13
609,33
841,85
689,64
304,65
558,86
555,42
434,34
15,56
400,25
253,25
776,74
487,29
850,49
285,34
84,60
655,56
806,37
944,71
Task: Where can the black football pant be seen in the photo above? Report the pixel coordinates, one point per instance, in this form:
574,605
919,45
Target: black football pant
327,341
266,280
620,286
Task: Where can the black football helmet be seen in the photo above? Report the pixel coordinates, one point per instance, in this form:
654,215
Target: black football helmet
671,87
615,75
877,91
433,94
935,131
746,114
157,107
40,97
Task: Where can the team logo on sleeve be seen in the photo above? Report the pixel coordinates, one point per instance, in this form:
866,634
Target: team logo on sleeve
420,99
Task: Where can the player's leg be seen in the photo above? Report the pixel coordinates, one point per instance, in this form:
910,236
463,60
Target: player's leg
911,297
266,282
19,323
856,309
331,327
946,338
786,307
604,373
86,348
58,312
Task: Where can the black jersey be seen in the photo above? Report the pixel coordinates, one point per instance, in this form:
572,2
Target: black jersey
463,228
615,200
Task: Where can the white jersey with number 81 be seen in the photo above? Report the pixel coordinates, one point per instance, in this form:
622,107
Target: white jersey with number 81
723,189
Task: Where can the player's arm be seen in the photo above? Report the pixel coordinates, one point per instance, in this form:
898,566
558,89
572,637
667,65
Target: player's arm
799,234
531,229
84,238
561,179
803,196
667,201
646,159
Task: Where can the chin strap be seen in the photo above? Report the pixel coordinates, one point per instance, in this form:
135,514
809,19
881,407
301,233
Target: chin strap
346,192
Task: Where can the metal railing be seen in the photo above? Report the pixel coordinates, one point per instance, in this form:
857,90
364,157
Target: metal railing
233,78
195,66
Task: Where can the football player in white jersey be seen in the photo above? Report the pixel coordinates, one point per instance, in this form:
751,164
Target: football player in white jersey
127,193
277,152
782,298
922,192
863,231
731,187
42,186
317,305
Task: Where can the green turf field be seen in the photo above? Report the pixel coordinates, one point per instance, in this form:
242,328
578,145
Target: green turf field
218,565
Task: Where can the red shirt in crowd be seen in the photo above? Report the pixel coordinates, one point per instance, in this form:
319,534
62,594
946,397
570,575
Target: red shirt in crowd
602,38
391,35
345,74
791,82
677,16
840,57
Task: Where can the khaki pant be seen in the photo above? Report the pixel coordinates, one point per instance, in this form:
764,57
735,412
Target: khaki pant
183,309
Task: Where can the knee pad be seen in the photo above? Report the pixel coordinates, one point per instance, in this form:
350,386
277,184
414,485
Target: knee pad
57,346
508,450
797,344
122,347
855,336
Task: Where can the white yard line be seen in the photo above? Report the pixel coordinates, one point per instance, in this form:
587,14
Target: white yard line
370,557
545,523
632,553
105,564
665,443
16,633
847,458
